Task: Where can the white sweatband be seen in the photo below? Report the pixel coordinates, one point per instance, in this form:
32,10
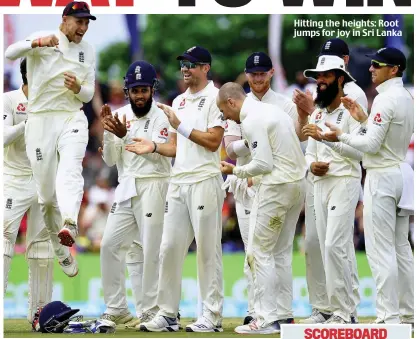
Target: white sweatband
240,148
184,130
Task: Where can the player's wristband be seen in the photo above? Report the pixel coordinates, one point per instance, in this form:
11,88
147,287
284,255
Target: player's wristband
184,130
154,150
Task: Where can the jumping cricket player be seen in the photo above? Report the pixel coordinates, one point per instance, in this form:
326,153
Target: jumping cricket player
61,77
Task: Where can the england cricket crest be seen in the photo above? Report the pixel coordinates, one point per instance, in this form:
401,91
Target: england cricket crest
256,59
138,73
81,56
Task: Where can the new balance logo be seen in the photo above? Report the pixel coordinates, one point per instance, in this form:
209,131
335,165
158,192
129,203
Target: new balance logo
201,104
81,56
39,156
362,131
333,208
200,326
148,215
200,208
113,208
340,117
246,212
254,144
146,126
9,203
4,117
74,131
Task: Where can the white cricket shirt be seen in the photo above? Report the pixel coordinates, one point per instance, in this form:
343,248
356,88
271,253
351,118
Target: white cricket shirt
270,97
153,126
389,127
15,159
195,163
274,145
355,92
45,72
283,102
319,152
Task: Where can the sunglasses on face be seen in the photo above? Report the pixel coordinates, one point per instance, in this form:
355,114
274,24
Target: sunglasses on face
190,65
377,64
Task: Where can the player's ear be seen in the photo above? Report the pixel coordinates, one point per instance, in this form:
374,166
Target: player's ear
340,81
206,68
271,72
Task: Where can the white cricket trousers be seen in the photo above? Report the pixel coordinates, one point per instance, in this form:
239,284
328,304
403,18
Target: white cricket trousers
141,215
315,272
243,216
386,242
335,200
20,197
273,220
55,145
193,211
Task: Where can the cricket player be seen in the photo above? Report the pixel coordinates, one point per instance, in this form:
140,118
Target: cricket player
386,223
277,156
20,197
195,198
337,182
315,274
61,76
259,72
139,198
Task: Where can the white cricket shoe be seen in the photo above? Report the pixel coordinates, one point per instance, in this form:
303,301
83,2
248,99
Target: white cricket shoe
68,233
69,266
143,318
119,319
255,328
335,319
203,325
316,317
160,323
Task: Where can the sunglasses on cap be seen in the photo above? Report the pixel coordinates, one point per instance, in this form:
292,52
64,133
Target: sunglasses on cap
377,64
190,65
80,5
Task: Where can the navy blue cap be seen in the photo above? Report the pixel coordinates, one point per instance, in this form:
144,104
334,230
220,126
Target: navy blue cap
196,54
140,73
391,56
258,62
336,47
78,9
57,310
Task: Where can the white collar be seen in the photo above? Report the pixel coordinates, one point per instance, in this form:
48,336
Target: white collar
383,87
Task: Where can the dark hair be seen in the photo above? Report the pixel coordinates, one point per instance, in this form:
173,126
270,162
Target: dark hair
338,74
23,70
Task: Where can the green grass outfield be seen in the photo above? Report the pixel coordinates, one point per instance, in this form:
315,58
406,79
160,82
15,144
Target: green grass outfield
19,328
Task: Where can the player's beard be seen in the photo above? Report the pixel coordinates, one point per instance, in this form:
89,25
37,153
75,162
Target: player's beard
325,97
141,111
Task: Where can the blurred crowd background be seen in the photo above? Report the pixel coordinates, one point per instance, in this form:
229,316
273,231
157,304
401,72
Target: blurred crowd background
120,39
